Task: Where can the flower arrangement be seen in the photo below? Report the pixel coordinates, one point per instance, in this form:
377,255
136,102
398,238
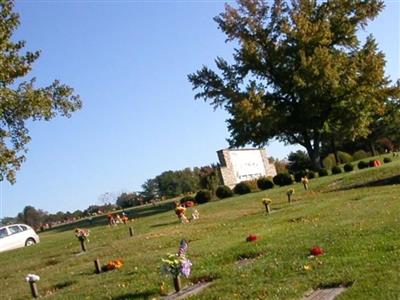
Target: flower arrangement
251,238
189,203
195,215
315,251
82,234
304,181
177,264
290,192
32,278
266,201
180,212
113,264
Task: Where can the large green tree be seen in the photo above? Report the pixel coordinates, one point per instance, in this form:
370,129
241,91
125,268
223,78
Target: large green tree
298,72
20,100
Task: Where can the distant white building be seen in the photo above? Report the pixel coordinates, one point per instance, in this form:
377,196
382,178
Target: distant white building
238,165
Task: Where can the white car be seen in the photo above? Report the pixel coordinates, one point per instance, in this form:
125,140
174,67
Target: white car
17,236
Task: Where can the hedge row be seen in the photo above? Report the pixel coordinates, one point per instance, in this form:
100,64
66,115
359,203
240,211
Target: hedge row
281,179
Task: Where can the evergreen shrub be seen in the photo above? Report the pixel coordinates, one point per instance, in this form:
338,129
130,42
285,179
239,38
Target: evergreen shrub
336,170
242,188
203,196
323,172
310,174
387,160
362,165
264,183
360,154
348,167
300,174
223,192
283,179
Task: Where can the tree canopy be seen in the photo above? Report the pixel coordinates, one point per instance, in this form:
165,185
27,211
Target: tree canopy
299,72
20,100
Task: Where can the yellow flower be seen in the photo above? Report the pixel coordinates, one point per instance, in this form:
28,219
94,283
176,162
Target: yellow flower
290,191
307,267
304,180
266,201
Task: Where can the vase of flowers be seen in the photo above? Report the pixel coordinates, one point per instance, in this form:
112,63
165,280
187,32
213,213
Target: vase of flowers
180,212
177,265
304,181
82,235
267,202
289,194
32,279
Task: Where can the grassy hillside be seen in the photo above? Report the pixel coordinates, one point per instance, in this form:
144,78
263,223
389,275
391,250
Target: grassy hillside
354,217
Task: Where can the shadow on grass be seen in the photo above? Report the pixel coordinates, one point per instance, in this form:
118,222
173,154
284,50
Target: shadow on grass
334,284
142,295
164,224
136,212
376,183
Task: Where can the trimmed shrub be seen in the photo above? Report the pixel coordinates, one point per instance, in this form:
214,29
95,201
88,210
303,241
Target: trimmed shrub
203,196
186,199
310,174
336,170
252,185
300,174
264,183
344,157
387,160
298,161
223,191
323,172
348,167
360,154
362,165
242,188
329,161
283,179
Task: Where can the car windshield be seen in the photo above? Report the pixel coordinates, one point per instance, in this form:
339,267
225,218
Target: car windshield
3,232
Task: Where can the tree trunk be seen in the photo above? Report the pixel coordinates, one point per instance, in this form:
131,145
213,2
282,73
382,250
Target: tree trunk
372,148
312,148
315,158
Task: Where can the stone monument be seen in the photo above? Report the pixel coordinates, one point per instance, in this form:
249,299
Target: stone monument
238,165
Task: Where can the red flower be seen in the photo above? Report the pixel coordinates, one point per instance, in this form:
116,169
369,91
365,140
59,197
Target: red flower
251,238
316,251
189,203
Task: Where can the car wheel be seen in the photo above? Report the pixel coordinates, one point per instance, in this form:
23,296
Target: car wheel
30,242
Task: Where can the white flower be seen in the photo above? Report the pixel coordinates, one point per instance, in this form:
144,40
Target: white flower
32,278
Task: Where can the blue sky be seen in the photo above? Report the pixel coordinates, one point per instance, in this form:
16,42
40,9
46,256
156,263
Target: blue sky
129,61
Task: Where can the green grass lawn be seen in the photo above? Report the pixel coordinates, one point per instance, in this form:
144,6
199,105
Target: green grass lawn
354,217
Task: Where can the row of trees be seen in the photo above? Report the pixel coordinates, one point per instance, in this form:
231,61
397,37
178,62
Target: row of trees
38,218
171,184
